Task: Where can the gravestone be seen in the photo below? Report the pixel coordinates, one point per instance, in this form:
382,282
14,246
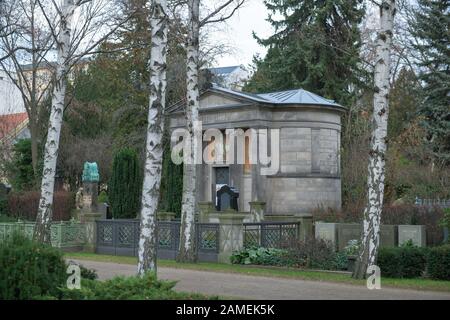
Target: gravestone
388,236
347,232
350,231
341,233
411,232
227,198
326,231
90,180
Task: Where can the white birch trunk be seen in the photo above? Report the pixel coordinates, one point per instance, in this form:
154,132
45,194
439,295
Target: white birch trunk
154,148
376,168
42,231
187,250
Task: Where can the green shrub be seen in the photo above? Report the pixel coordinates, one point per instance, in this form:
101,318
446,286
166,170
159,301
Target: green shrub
29,269
445,221
261,256
103,197
311,253
438,266
20,168
340,261
128,288
124,187
352,248
402,262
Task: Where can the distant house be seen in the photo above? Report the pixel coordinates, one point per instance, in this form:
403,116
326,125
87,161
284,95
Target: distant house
10,97
232,77
13,127
46,70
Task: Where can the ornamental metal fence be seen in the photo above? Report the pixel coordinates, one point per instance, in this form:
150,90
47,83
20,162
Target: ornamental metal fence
207,241
121,237
270,234
63,234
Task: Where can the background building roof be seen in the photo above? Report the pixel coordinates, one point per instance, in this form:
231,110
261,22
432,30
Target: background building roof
221,71
11,124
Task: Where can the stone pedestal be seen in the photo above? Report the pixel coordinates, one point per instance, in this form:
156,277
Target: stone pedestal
257,210
165,216
205,208
90,195
88,219
231,235
306,226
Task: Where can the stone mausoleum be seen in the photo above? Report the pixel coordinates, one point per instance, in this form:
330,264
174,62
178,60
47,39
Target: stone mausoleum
309,144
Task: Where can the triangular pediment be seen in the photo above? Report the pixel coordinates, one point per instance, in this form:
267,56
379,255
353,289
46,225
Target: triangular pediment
215,99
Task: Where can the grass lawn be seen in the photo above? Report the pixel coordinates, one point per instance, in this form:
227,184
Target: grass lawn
418,284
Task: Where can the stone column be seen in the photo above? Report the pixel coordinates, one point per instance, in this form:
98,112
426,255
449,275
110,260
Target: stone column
306,226
231,235
88,219
165,216
205,208
257,210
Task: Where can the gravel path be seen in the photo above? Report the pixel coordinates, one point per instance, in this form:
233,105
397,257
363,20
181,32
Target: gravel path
261,288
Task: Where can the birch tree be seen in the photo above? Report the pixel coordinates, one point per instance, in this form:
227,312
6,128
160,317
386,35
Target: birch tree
72,43
378,143
220,13
42,230
154,148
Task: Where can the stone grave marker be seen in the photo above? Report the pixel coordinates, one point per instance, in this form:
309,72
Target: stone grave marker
411,232
227,198
326,231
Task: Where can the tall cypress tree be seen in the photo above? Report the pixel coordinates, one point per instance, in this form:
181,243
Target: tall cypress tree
124,189
315,47
430,30
171,180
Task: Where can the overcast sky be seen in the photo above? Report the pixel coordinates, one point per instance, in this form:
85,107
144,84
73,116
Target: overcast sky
238,34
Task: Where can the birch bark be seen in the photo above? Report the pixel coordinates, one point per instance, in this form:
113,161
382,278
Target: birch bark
42,231
376,168
154,149
187,250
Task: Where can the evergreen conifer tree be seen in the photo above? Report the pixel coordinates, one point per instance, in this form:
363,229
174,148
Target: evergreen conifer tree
431,34
124,189
315,47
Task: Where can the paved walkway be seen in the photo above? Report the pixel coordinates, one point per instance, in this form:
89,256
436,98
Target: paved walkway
261,288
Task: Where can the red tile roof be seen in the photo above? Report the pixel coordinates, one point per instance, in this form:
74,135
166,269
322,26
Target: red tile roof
9,122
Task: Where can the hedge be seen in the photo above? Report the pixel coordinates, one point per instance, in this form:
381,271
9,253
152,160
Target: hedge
439,262
24,205
402,262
